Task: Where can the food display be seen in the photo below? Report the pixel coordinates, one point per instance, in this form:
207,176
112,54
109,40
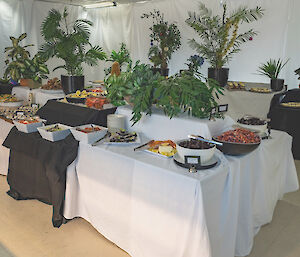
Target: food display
20,113
52,84
123,136
252,121
236,86
260,90
80,96
6,98
28,125
89,133
238,142
166,148
29,121
96,102
54,132
291,104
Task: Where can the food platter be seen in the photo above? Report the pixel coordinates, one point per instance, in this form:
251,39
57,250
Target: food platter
123,137
166,148
291,104
11,104
261,90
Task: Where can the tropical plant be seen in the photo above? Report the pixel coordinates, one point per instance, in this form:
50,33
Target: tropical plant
69,41
19,64
219,35
272,68
137,83
194,63
188,93
297,72
165,39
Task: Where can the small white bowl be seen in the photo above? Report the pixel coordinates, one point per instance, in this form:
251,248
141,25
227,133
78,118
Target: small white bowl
56,135
256,128
88,138
28,128
205,154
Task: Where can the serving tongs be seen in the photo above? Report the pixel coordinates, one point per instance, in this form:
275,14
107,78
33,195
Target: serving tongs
204,140
143,145
102,138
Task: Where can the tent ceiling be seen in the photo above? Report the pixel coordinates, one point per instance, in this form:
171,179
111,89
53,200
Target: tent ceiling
85,2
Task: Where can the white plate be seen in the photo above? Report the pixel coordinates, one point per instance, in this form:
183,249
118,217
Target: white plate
137,141
11,104
52,91
158,154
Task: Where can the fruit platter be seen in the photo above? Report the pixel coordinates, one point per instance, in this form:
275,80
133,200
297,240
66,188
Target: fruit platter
291,104
53,86
166,148
253,123
7,100
28,125
238,141
89,133
236,86
21,113
54,132
123,137
80,96
96,102
260,90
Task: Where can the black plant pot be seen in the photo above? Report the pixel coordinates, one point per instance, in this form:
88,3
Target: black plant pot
163,72
277,84
219,74
71,84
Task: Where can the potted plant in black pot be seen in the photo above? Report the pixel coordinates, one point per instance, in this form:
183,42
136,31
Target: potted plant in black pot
69,41
272,69
165,40
219,36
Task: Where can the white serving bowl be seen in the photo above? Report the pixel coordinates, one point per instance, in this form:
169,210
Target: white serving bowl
28,128
54,136
88,138
205,154
256,128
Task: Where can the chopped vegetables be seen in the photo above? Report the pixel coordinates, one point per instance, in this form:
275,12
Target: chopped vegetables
242,136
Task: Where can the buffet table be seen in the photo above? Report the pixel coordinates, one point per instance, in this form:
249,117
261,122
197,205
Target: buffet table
150,207
40,97
37,168
245,102
5,127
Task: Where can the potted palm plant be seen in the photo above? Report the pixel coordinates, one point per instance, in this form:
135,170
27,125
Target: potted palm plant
20,67
219,36
165,40
272,69
69,41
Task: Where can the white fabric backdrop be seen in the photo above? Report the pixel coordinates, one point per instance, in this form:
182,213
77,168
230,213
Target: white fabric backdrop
279,32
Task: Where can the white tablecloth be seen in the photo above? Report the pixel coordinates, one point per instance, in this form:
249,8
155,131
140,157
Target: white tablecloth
5,127
150,207
39,96
158,126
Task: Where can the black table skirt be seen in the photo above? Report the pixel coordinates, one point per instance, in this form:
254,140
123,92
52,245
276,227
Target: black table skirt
72,115
6,88
287,119
37,169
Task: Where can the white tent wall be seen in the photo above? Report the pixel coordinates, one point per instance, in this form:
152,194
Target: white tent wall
279,34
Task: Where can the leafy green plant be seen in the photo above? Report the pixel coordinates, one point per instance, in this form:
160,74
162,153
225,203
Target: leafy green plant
194,63
19,64
219,34
165,39
137,83
272,68
69,42
188,93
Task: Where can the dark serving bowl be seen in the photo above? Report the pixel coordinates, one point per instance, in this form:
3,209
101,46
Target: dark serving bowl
76,100
236,149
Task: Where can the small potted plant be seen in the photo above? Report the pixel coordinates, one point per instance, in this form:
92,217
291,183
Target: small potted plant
219,36
21,68
194,64
272,69
165,40
69,41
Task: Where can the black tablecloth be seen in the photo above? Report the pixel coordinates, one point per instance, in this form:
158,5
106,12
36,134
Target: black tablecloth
6,88
37,169
72,115
286,118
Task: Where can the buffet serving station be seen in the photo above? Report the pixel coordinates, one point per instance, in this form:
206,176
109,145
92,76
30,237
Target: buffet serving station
148,205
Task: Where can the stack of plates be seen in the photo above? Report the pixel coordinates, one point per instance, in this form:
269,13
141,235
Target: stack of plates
115,122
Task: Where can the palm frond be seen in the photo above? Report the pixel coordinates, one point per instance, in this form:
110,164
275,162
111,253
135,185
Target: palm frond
50,25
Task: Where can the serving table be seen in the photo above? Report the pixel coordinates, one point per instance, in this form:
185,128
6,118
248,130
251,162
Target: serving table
5,127
245,102
150,207
40,97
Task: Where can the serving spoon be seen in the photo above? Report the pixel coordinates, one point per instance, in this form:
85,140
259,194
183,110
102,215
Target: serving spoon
204,140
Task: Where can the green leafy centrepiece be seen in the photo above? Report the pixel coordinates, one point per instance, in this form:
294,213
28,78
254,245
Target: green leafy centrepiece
69,42
272,68
19,64
165,39
219,35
